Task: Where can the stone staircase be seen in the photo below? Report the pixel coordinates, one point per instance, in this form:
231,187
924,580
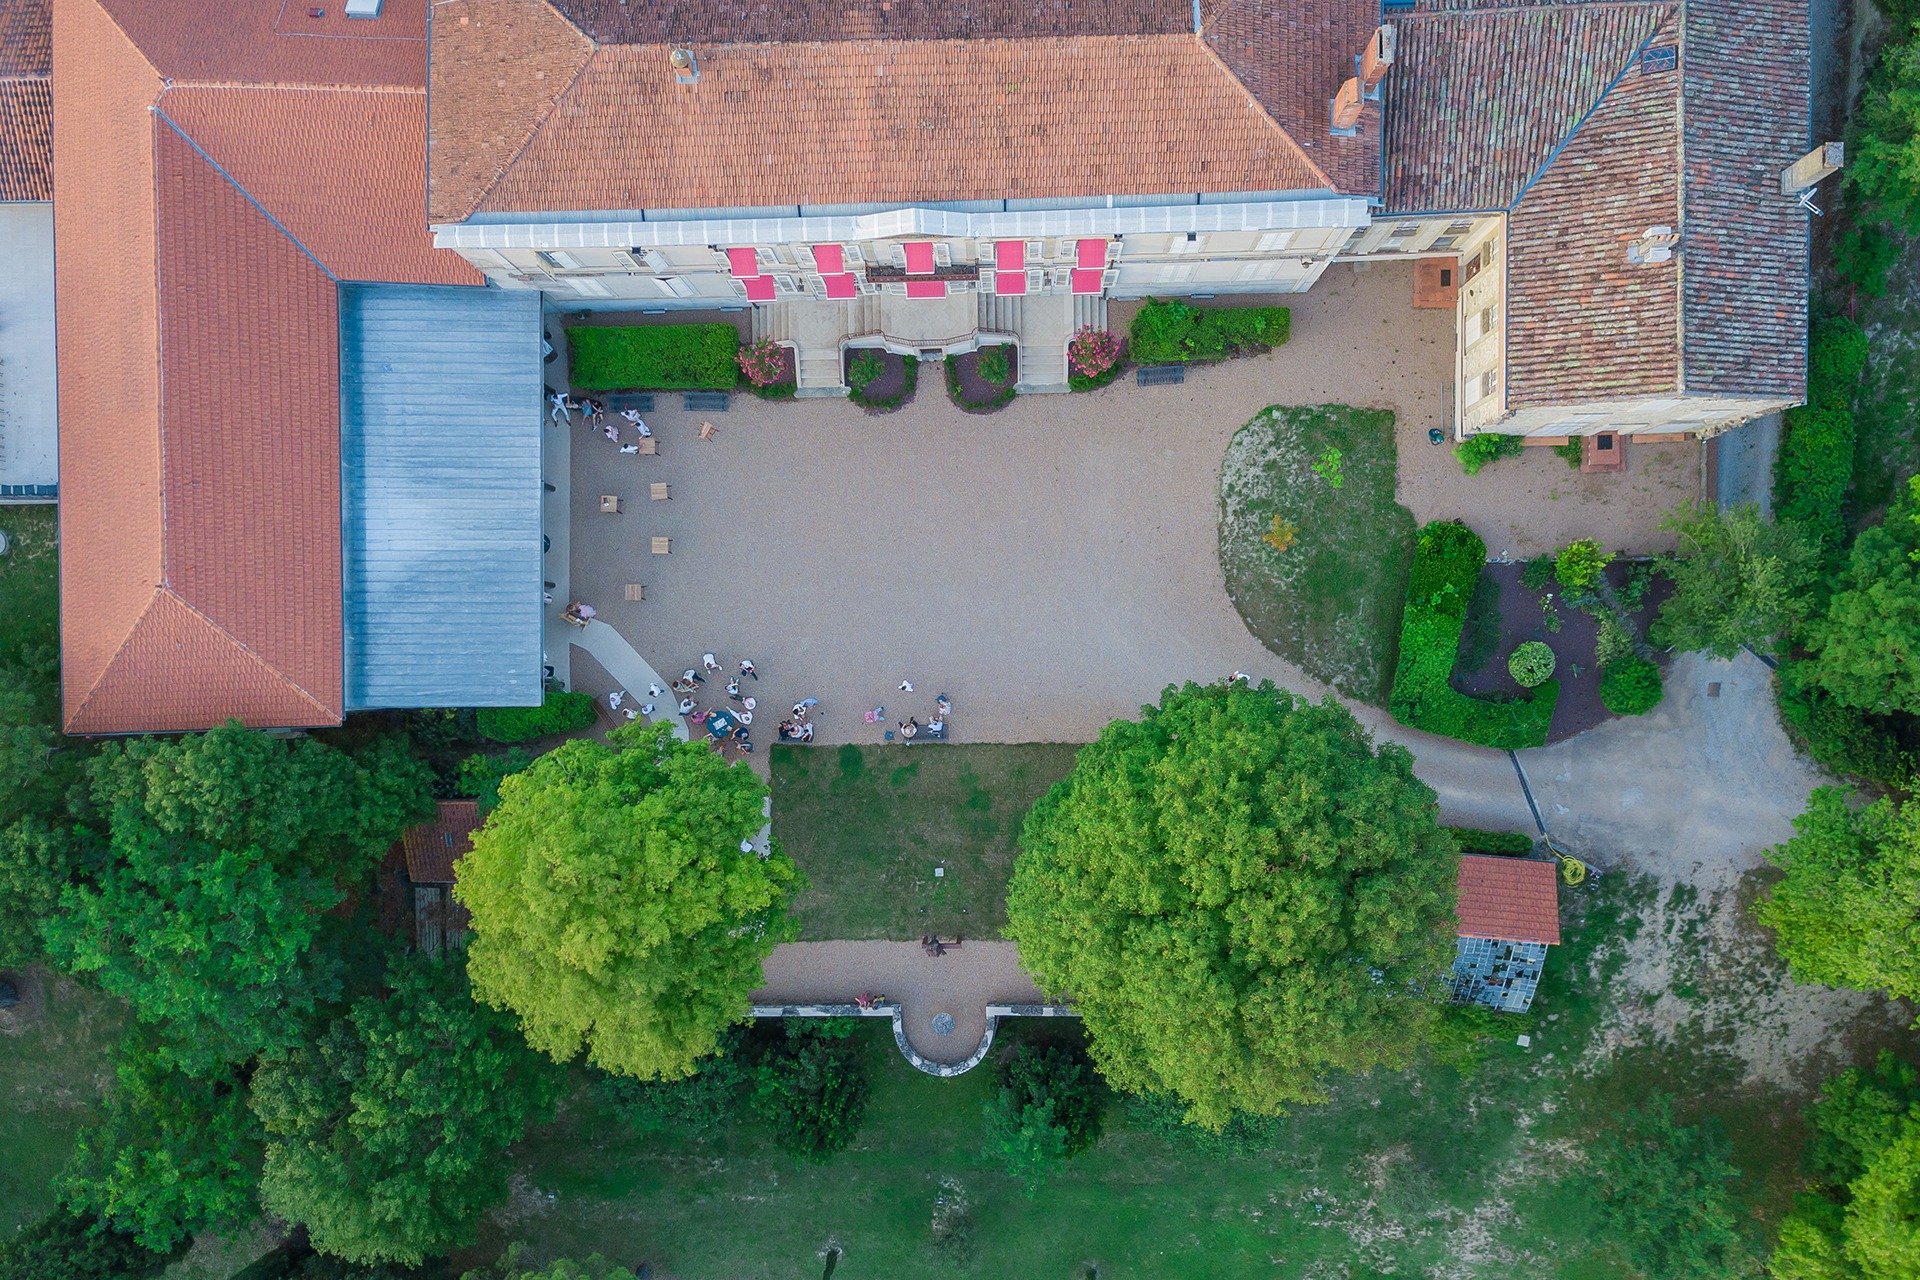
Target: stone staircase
815,330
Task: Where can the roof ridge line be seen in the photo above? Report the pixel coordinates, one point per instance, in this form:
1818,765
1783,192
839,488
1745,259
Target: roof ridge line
124,35
242,646
80,706
1200,41
292,86
221,169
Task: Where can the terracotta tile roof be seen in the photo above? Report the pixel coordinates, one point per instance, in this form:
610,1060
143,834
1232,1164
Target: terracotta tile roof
433,847
200,482
26,100
893,122
1293,55
1478,99
1513,899
705,23
1584,322
1744,245
26,39
266,42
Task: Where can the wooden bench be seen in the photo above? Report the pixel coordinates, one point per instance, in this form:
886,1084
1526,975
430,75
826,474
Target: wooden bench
1161,375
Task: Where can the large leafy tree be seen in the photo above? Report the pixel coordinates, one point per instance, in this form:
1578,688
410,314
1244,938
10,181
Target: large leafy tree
1661,1192
1739,578
387,1133
618,904
1241,894
1854,1220
41,850
224,850
1868,645
65,1245
1883,149
1846,913
171,1154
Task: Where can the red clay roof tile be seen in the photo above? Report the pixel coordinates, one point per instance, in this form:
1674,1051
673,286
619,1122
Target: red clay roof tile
262,42
1513,899
433,847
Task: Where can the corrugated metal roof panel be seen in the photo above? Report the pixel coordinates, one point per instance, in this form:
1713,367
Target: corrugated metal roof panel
440,394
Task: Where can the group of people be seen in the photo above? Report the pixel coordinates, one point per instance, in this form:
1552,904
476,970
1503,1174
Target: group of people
798,727
937,946
690,687
594,413
911,728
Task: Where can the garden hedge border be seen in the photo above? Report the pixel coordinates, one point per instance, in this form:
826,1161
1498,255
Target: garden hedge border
561,712
654,357
1174,332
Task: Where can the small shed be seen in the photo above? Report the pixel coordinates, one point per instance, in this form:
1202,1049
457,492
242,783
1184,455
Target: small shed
1509,914
432,849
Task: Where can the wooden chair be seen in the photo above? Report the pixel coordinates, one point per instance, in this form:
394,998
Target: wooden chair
708,431
662,546
636,591
649,447
658,491
609,504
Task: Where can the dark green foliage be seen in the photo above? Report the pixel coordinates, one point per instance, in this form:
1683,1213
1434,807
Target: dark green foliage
910,366
1881,749
698,1106
1082,382
1537,574
1836,357
388,1131
37,862
957,393
1867,648
1813,471
1447,561
1854,1220
1570,452
480,775
1630,686
296,1260
1166,1116
1864,257
660,357
1048,1109
1178,332
66,1245
1472,840
1483,624
1739,578
813,1088
171,1154
1884,138
1662,1199
1461,1038
1476,451
562,712
992,365
863,369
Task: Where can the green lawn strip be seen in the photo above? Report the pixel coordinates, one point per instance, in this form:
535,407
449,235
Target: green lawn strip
51,1073
1331,601
868,825
29,580
662,357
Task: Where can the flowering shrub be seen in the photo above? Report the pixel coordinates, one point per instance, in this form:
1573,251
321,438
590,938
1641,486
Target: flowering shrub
764,363
1091,352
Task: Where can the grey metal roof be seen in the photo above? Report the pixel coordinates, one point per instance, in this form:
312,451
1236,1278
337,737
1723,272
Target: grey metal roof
440,396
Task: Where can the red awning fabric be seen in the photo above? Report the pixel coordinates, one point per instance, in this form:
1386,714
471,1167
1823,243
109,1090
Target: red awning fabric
745,263
926,288
1010,255
841,286
1009,282
920,257
1087,281
759,288
1088,255
828,259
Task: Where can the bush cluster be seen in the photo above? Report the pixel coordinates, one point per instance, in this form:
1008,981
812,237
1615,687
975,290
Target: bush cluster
562,712
1580,564
1477,451
764,363
1178,332
1048,1108
867,368
1531,664
813,1088
1093,358
660,357
1630,686
1473,840
1814,469
1447,560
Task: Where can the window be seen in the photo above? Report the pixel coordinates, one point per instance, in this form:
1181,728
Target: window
1273,241
1485,322
1189,243
559,259
588,287
1483,386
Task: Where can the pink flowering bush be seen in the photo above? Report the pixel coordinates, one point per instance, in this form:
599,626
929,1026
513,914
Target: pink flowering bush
1091,352
764,363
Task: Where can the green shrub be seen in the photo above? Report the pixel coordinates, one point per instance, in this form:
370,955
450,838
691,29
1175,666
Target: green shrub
1580,564
1537,574
1630,686
1463,1032
1812,473
1881,749
1864,256
957,393
870,366
1570,452
864,370
562,712
813,1089
1477,451
1048,1109
480,775
1506,843
1166,1116
1093,358
1531,664
661,357
65,1245
1178,332
1836,359
992,365
697,1107
1447,560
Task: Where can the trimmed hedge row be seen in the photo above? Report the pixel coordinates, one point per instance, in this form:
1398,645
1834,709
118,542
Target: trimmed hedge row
1447,559
1474,840
1178,332
1814,470
560,713
658,357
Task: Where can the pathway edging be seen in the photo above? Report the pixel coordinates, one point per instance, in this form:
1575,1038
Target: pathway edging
945,1070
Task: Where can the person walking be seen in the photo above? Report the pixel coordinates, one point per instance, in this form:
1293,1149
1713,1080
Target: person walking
746,668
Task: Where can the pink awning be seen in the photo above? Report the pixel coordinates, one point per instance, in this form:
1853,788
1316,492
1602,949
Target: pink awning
926,288
1087,281
1010,255
759,288
1009,282
828,259
919,257
1089,254
841,286
745,263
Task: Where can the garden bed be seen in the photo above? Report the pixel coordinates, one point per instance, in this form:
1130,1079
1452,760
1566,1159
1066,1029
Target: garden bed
892,387
970,388
661,357
1181,333
783,387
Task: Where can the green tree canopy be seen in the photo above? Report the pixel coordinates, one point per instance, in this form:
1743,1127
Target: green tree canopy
1883,146
387,1134
1241,894
1868,645
1855,1219
1738,578
614,905
1846,914
171,1154
225,848
66,1245
1661,1191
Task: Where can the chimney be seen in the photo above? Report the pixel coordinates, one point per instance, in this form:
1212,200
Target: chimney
1375,61
685,69
1347,106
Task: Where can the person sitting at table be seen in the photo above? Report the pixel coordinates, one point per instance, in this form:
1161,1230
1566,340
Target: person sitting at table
909,727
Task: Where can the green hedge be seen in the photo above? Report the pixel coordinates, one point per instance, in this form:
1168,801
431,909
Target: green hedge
1836,357
1178,332
1447,559
1814,470
659,357
560,713
1509,843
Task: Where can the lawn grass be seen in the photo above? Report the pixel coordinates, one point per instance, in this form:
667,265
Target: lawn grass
29,581
51,1072
868,825
1408,1173
1331,601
